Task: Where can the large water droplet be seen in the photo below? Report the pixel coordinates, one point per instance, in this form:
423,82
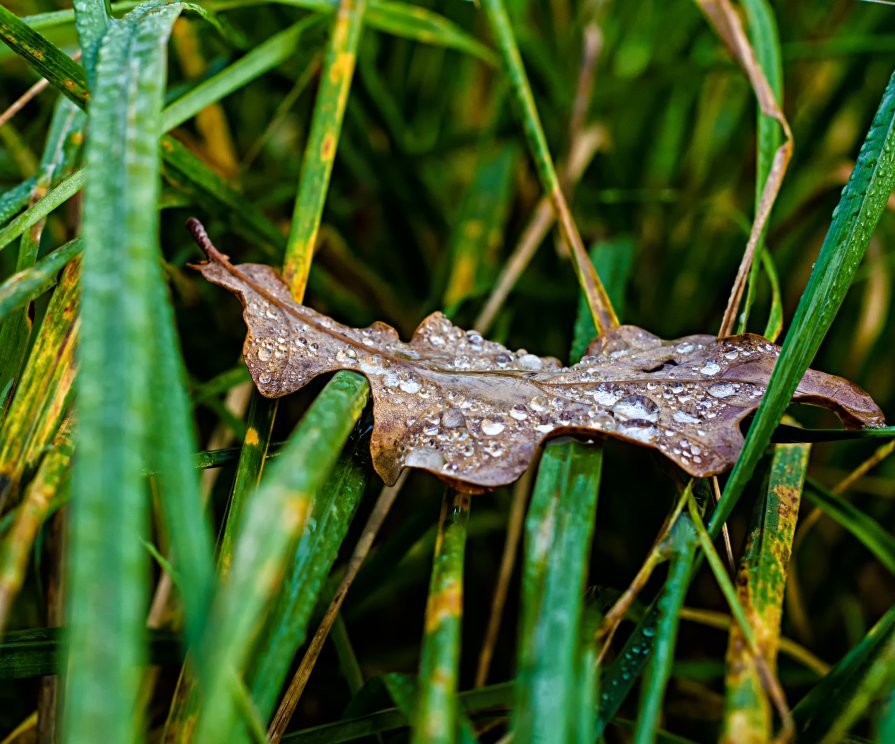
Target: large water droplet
264,354
345,356
531,362
538,404
637,407
492,426
642,431
410,386
710,368
452,418
519,413
683,417
722,390
606,396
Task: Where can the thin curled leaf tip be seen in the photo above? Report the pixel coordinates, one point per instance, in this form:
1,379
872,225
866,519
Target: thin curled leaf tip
473,412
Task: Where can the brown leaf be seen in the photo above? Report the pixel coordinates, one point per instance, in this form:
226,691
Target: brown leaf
473,412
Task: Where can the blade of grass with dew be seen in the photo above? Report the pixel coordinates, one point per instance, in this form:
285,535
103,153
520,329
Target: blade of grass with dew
14,200
107,562
40,209
37,502
774,325
601,308
274,519
760,586
25,286
479,226
613,261
817,711
49,61
855,218
92,20
683,541
876,538
404,692
312,561
558,533
435,714
765,40
44,388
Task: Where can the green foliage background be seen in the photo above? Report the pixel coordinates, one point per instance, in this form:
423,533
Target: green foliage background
416,178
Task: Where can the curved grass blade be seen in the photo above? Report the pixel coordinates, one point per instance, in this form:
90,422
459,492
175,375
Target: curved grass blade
274,519
874,536
597,299
559,529
859,210
92,20
760,585
14,200
107,562
435,715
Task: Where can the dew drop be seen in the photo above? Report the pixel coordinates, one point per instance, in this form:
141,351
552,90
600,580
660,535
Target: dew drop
682,417
642,431
710,368
538,404
722,390
492,427
264,378
531,362
637,407
452,418
346,355
264,354
519,413
410,386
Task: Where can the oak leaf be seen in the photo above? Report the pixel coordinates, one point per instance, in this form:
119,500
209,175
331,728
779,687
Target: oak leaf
473,412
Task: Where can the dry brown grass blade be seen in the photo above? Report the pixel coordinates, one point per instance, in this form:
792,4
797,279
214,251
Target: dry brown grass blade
727,25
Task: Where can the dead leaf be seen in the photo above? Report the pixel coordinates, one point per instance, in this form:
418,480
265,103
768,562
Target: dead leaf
473,412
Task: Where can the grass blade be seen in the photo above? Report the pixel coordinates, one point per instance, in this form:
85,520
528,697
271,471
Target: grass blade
597,299
854,220
760,587
874,536
559,530
273,521
435,717
40,209
25,286
107,562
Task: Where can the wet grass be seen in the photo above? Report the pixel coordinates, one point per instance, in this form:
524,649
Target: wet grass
396,158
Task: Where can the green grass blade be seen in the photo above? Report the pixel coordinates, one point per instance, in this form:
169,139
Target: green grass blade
40,209
598,301
559,529
876,538
323,140
817,711
435,717
613,260
854,221
14,200
25,286
313,558
107,561
273,521
683,543
92,19
49,61
263,58
42,495
760,586
479,227
44,388
765,40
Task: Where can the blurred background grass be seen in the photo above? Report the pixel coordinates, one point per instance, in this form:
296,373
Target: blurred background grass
431,191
